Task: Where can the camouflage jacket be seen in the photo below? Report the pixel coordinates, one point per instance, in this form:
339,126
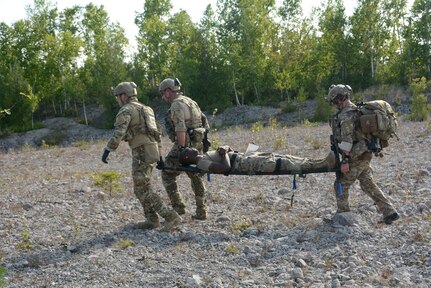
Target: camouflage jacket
345,131
134,123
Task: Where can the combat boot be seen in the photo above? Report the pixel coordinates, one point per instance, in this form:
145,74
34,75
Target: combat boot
178,203
151,222
201,209
391,218
172,219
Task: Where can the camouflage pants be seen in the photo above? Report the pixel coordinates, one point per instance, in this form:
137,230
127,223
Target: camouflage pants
141,173
361,170
266,162
169,179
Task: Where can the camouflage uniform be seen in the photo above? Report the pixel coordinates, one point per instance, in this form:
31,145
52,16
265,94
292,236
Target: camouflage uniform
347,137
135,124
265,162
184,115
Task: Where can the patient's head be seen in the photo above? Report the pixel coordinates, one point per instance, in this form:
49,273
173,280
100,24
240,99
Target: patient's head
188,156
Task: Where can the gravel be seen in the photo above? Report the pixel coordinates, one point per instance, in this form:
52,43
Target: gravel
59,229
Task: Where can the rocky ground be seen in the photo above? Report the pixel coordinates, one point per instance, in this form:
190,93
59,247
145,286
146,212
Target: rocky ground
59,229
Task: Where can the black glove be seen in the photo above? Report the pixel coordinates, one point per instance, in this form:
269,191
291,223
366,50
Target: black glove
105,156
160,164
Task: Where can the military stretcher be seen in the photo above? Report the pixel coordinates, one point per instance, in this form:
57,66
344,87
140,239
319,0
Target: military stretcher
301,173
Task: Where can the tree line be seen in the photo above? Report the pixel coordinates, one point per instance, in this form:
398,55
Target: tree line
54,62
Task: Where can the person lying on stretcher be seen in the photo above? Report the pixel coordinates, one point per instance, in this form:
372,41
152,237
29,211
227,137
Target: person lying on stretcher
226,161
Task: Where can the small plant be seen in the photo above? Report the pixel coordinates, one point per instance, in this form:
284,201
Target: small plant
263,208
124,244
422,259
76,228
44,145
273,123
215,143
279,143
3,272
27,148
419,236
316,144
256,127
80,144
244,225
231,249
216,199
108,181
328,264
25,243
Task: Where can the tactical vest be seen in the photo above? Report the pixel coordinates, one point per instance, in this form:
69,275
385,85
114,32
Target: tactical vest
142,128
195,112
196,130
336,125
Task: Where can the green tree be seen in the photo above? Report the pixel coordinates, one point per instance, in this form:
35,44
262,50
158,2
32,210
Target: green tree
34,100
152,58
332,53
369,35
420,45
247,29
104,64
211,84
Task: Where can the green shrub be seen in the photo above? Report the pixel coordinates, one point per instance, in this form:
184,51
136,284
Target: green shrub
419,101
108,181
3,271
256,127
25,243
324,111
289,108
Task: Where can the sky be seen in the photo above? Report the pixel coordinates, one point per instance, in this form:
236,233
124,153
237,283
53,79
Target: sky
123,11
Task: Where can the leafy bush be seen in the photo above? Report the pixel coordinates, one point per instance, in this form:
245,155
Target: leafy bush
3,271
108,181
289,108
324,111
419,101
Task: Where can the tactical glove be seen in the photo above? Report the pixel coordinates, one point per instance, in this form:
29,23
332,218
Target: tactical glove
105,156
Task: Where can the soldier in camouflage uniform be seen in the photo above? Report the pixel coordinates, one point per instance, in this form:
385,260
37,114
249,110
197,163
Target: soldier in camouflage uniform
185,129
135,123
225,160
356,156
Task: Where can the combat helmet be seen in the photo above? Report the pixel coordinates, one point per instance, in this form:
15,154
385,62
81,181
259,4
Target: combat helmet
128,88
173,84
338,93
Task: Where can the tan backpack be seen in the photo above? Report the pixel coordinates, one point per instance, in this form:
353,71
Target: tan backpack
377,118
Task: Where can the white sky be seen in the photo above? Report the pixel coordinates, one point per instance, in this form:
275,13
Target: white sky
123,11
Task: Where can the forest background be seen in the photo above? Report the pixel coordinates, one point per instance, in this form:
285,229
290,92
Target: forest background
56,63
